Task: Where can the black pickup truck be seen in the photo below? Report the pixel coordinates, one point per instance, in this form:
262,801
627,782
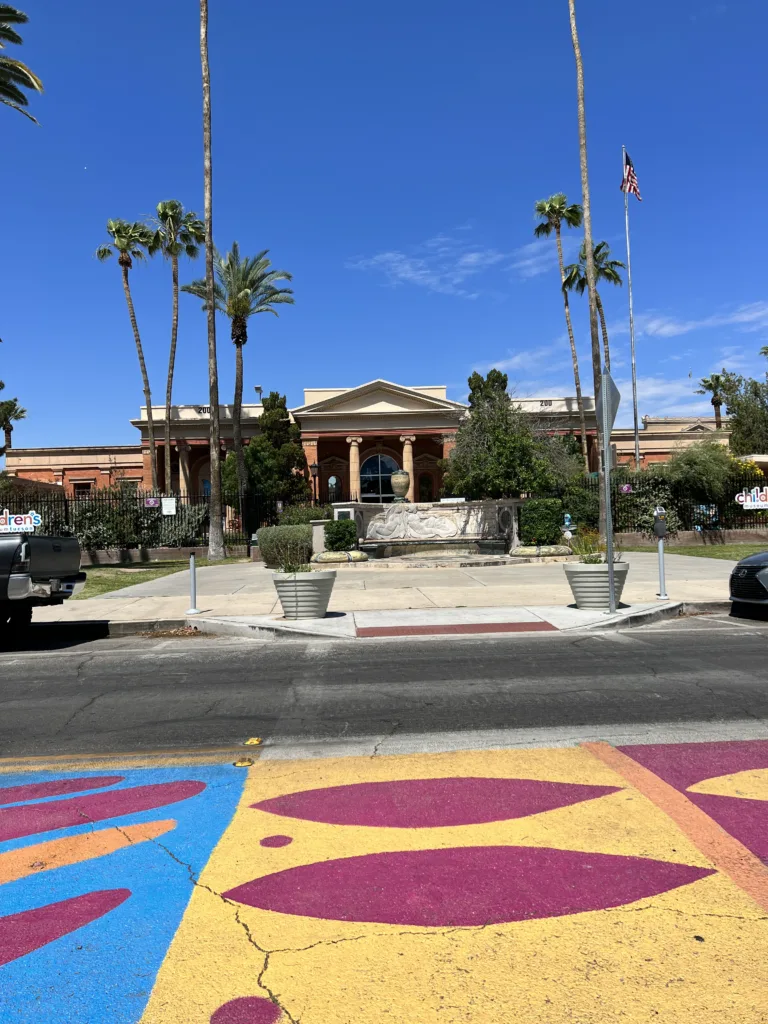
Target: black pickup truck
35,571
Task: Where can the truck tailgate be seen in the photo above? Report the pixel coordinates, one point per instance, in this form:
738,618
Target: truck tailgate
53,557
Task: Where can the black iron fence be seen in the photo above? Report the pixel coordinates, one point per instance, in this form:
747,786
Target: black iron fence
635,496
104,520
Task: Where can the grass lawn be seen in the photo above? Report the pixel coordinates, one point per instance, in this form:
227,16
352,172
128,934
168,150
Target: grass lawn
104,578
734,552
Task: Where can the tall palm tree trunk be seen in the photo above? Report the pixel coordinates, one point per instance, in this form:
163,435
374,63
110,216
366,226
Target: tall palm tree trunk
8,431
588,246
171,368
574,354
604,330
216,529
237,416
715,405
144,377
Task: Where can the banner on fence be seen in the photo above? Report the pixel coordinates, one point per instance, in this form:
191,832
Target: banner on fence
25,522
756,498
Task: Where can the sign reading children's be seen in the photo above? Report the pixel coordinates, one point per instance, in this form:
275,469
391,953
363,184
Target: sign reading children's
756,498
24,522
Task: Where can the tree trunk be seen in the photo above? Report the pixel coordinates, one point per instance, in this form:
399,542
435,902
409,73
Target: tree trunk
604,330
589,249
237,417
574,354
144,378
216,528
8,431
171,367
716,406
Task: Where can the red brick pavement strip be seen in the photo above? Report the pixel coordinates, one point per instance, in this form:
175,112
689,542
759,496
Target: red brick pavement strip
464,627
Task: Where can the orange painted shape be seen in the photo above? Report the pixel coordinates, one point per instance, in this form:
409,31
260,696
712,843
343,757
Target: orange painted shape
56,853
725,852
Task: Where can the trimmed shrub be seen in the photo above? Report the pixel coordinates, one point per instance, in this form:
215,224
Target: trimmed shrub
283,546
540,521
583,506
299,515
341,535
633,512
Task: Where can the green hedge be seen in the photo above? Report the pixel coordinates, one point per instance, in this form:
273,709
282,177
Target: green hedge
583,506
540,521
341,535
299,515
285,546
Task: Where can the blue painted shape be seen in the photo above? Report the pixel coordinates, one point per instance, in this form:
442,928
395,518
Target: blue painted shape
104,972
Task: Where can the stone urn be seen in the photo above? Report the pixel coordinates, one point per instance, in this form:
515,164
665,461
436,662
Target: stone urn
401,481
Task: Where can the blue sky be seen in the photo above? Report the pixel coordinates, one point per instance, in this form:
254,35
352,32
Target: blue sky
389,156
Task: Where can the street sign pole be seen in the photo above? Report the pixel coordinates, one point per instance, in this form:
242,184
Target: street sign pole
608,416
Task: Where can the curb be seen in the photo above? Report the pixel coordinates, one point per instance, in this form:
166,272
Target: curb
278,631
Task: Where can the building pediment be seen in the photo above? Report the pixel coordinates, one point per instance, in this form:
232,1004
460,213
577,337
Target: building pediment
377,398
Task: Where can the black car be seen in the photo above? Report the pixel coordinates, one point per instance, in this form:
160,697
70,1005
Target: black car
749,580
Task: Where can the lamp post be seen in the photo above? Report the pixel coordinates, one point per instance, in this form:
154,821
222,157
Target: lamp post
313,471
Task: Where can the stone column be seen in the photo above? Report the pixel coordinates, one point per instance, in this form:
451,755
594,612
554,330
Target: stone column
183,450
407,441
354,467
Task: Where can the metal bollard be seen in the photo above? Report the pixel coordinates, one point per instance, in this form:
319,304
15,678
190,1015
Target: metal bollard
193,609
662,582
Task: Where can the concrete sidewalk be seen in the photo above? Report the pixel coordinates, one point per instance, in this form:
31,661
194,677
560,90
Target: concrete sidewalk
246,589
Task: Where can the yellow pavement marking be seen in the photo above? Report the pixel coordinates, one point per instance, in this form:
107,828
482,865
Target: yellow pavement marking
751,784
132,759
629,965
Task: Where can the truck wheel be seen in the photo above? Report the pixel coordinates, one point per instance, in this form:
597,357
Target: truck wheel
5,623
21,618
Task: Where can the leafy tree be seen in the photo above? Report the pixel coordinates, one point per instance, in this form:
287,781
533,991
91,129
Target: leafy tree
554,213
606,270
496,453
216,533
15,76
244,286
714,385
131,242
702,470
747,404
10,412
177,234
274,459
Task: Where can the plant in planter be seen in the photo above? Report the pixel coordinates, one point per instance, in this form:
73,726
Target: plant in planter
588,578
303,594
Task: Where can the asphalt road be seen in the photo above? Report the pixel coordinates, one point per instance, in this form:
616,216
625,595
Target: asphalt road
140,694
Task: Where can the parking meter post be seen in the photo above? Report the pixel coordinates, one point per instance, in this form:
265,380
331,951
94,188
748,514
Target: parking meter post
606,430
660,531
662,581
193,609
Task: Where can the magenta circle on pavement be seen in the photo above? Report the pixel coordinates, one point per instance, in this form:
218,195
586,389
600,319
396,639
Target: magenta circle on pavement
275,841
430,803
247,1010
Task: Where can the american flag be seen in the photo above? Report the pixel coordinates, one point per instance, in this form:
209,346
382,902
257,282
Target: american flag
629,182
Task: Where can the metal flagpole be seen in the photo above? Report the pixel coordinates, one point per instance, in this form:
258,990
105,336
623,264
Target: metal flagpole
631,312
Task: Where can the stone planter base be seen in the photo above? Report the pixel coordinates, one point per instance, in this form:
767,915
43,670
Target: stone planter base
304,595
589,583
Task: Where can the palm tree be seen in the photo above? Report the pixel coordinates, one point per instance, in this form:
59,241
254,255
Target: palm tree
216,528
15,76
131,242
606,269
244,286
178,234
764,351
10,412
714,385
553,213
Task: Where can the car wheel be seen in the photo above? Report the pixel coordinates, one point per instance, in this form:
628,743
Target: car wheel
5,623
21,618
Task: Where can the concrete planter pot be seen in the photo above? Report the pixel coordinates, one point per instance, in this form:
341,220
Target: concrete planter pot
304,595
589,583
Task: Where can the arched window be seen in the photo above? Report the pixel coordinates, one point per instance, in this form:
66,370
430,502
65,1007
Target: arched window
376,478
334,489
426,491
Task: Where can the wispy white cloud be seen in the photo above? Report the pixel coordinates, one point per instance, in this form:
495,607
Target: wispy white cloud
527,360
442,264
540,256
750,317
